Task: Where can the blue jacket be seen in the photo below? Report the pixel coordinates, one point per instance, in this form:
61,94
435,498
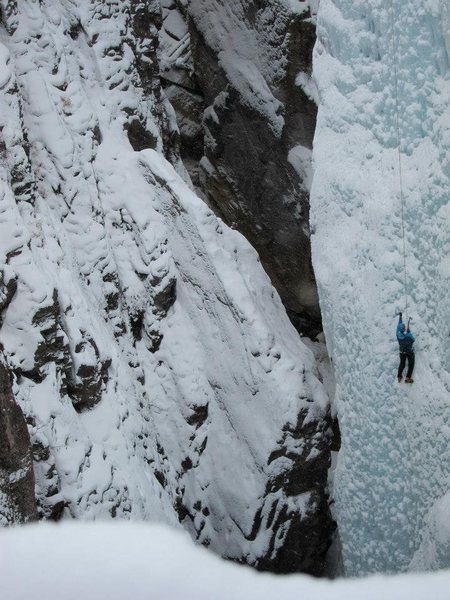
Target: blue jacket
405,338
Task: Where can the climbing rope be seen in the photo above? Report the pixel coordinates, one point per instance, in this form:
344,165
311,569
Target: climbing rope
406,418
399,153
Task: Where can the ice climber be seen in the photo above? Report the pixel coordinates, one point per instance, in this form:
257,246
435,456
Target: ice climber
405,341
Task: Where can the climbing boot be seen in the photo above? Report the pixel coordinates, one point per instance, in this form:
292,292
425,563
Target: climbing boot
399,379
409,380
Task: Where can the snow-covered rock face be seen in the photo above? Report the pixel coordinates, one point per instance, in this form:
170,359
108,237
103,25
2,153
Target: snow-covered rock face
393,474
238,75
154,362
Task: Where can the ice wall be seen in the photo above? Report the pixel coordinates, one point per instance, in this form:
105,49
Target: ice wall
393,472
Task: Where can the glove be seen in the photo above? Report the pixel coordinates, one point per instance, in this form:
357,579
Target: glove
400,314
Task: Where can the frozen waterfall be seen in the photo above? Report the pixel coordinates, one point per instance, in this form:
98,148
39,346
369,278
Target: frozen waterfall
393,474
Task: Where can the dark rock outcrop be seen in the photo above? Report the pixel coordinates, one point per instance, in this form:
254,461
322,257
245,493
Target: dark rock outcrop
17,500
306,536
254,176
87,382
54,345
50,505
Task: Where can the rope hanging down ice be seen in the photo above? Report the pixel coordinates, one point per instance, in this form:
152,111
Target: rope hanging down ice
399,153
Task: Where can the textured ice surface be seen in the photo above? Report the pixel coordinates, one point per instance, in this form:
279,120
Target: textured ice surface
393,474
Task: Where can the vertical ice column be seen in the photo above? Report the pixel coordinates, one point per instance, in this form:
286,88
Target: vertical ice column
445,11
393,467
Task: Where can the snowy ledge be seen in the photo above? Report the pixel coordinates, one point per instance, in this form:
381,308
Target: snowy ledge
149,561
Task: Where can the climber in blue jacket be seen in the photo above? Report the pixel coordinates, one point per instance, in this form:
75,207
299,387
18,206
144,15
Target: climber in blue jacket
405,341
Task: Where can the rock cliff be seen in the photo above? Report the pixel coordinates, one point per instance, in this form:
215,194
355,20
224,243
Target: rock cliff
239,78
153,360
17,501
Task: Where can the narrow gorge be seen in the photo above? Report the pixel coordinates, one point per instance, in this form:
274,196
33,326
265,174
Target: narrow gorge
155,365
211,215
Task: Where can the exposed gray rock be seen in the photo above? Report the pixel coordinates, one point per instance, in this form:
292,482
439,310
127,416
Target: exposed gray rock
8,287
180,84
250,66
307,475
86,384
17,500
49,499
53,346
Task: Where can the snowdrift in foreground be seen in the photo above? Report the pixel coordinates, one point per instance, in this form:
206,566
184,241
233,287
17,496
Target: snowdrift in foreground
393,474
153,562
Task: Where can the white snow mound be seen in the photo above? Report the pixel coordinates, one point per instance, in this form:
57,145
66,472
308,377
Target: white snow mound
153,562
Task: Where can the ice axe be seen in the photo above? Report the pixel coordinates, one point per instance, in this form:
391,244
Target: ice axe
399,313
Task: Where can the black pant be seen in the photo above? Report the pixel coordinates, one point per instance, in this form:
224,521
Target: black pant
411,358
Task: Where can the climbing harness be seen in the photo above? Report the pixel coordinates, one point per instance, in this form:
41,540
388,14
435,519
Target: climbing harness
400,171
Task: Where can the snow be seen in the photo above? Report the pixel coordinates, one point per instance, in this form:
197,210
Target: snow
392,478
300,158
307,84
175,58
302,6
149,561
435,544
175,25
